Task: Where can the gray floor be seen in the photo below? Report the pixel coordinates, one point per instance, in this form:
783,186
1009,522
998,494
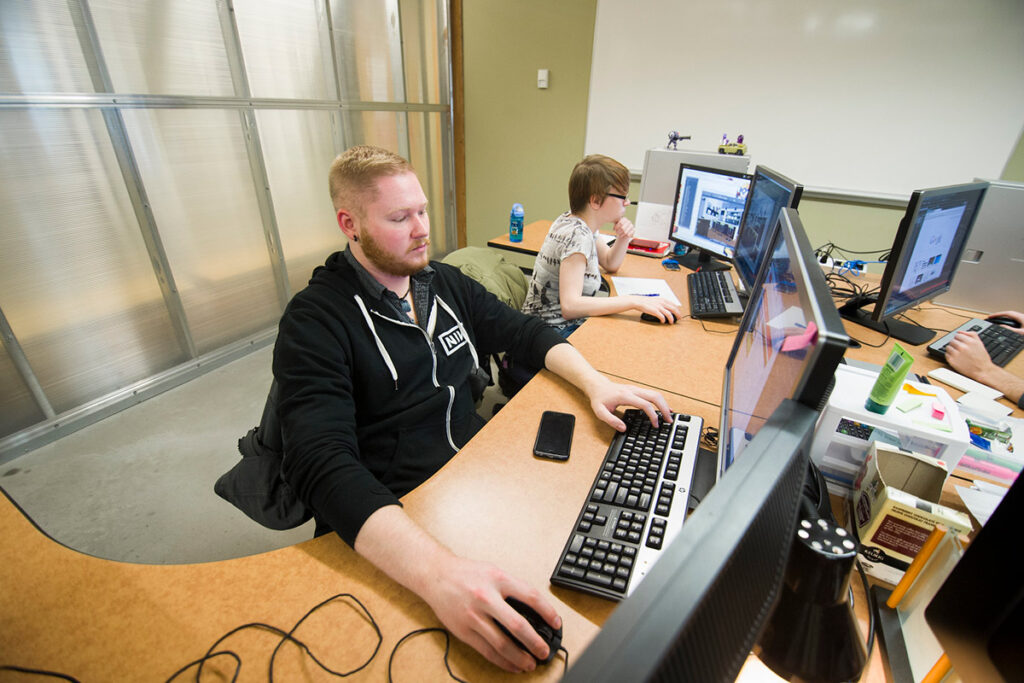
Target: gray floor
138,486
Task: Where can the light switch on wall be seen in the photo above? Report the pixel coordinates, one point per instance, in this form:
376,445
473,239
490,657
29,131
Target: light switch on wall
542,78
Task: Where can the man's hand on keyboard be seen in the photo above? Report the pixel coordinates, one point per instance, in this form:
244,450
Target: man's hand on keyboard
606,397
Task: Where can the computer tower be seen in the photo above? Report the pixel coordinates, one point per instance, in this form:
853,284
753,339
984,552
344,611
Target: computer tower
992,267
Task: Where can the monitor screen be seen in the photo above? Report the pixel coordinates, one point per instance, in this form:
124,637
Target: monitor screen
788,344
928,246
770,192
707,212
700,609
923,260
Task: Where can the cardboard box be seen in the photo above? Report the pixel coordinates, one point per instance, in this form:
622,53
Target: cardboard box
896,506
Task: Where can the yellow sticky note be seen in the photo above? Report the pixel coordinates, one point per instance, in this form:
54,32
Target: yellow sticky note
910,389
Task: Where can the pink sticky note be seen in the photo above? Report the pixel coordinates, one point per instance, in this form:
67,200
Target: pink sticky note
800,341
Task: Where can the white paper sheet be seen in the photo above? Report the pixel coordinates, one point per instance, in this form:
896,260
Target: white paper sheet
981,499
644,286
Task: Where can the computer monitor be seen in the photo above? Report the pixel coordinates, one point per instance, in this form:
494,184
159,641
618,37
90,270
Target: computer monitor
924,257
770,192
701,607
789,342
978,614
706,214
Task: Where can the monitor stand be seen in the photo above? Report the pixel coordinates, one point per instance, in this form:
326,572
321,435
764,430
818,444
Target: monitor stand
705,474
698,259
911,333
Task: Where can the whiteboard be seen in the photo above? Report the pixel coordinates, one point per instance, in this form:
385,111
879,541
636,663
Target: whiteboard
876,97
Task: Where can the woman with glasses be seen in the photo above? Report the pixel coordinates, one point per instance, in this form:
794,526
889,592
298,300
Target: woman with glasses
567,270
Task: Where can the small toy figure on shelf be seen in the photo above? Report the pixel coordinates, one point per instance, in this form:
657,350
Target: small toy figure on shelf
673,138
727,147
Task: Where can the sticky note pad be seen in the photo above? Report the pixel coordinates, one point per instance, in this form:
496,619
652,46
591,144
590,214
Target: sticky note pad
908,404
933,425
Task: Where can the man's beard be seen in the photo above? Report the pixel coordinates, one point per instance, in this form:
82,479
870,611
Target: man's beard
387,262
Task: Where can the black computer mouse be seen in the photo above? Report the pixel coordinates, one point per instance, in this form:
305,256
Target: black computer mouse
647,317
553,637
1003,320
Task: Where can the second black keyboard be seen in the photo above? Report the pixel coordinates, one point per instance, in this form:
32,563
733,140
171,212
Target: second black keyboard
1001,343
712,294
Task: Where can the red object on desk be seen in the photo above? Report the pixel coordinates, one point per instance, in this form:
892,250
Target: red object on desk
652,248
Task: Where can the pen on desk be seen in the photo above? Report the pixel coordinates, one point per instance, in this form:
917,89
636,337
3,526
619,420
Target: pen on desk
648,294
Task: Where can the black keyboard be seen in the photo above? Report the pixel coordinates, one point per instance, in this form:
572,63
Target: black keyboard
1001,343
712,294
635,507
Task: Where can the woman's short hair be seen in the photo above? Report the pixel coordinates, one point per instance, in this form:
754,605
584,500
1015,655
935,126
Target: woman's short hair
595,176
354,173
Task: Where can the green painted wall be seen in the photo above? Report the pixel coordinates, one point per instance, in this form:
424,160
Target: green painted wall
522,142
1015,165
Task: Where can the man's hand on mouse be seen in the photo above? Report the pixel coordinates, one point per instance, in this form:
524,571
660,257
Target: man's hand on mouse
468,595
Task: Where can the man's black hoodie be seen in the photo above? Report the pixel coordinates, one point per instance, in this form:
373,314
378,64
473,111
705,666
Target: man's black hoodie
371,405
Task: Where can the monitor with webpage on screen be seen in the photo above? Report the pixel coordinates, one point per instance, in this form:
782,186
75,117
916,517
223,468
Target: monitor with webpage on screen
706,215
924,257
702,606
770,192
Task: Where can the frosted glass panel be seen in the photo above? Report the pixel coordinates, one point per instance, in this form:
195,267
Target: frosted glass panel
163,48
76,284
281,45
298,150
368,50
208,218
422,61
39,49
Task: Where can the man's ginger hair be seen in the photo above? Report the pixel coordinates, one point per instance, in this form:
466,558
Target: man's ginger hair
354,173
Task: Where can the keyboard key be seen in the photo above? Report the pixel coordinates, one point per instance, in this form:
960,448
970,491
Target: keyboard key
574,572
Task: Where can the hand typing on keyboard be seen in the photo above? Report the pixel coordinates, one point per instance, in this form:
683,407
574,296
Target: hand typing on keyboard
966,354
605,398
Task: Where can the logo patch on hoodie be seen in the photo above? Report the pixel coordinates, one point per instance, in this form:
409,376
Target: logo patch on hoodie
452,340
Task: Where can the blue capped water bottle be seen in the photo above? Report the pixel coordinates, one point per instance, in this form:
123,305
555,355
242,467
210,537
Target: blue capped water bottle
515,223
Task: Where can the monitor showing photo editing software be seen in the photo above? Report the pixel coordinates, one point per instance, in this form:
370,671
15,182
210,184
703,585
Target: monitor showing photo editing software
706,215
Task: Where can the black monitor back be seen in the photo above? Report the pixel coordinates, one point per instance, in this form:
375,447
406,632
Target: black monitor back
978,613
704,604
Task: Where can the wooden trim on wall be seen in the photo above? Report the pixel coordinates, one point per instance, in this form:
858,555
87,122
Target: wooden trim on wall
458,121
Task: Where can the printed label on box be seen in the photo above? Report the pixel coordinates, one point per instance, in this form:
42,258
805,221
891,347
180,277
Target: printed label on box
895,534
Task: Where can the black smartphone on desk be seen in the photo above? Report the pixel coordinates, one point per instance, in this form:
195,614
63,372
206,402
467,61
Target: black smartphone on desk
554,436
